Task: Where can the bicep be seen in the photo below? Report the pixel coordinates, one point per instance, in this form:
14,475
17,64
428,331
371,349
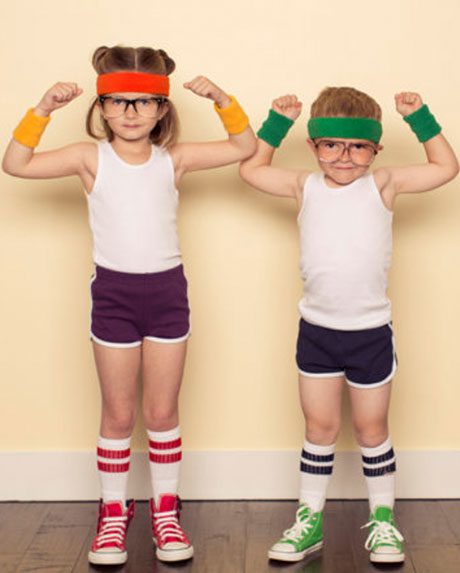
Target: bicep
418,178
206,155
274,180
61,162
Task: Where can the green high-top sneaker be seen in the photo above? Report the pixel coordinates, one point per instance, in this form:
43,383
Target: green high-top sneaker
384,542
303,538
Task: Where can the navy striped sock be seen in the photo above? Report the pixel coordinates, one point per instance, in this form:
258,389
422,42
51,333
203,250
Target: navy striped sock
379,467
316,466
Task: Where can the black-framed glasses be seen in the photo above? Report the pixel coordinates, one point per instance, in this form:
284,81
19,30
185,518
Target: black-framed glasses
330,151
114,106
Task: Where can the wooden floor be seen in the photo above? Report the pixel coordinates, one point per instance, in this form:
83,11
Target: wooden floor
229,537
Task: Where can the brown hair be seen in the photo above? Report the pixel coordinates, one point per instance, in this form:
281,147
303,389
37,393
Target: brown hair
345,102
147,60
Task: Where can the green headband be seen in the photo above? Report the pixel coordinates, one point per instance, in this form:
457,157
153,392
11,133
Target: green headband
345,127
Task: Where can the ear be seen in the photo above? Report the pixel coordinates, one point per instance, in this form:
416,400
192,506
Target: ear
312,146
99,108
164,110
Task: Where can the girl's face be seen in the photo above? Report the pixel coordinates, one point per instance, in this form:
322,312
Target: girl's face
132,116
344,160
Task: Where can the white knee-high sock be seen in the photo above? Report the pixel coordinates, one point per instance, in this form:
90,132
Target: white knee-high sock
315,474
113,457
165,454
379,467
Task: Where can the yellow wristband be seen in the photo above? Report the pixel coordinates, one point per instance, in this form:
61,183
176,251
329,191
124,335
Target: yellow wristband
30,129
233,117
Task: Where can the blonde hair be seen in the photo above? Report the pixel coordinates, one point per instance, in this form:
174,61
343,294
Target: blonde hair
345,102
148,60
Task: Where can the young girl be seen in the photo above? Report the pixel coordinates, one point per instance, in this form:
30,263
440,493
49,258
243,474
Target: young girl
345,217
140,313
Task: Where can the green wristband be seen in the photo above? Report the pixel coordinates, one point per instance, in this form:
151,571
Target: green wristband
275,128
423,124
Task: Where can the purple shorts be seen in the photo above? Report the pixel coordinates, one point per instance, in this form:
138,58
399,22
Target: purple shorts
128,307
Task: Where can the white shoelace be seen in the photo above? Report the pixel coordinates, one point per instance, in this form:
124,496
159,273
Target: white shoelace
113,530
300,527
167,525
383,532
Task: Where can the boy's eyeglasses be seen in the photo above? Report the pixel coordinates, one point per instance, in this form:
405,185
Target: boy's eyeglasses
330,151
117,106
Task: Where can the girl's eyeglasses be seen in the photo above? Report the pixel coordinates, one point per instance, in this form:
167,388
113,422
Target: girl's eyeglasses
117,106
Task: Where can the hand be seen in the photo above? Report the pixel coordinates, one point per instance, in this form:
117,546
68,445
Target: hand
288,106
205,88
408,102
58,96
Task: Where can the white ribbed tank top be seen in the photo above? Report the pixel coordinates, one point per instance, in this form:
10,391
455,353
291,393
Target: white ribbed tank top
132,213
345,254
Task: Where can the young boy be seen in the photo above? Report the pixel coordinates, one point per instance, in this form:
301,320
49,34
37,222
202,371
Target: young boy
345,218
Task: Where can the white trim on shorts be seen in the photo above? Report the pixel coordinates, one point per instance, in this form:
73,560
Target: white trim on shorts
375,384
389,377
322,374
115,344
168,340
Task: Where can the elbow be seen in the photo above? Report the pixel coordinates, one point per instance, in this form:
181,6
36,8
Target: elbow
248,150
452,171
7,168
244,171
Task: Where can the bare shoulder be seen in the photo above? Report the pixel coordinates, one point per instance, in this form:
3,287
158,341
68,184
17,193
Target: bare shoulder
385,184
382,177
301,179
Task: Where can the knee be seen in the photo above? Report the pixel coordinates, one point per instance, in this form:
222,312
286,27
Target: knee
161,419
321,432
118,421
371,435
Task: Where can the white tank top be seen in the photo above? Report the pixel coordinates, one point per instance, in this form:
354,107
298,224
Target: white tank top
345,254
132,213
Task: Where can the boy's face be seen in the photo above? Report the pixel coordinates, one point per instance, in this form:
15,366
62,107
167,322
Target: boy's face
344,160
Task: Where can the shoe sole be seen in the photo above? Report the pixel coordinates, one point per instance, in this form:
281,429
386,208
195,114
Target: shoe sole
282,556
387,557
107,558
174,554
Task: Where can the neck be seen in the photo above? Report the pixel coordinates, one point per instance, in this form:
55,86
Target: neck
137,151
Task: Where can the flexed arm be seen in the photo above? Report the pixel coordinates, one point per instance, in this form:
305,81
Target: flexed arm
241,140
441,163
20,158
257,170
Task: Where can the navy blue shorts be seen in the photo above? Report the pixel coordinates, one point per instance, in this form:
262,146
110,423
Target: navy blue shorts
366,358
128,307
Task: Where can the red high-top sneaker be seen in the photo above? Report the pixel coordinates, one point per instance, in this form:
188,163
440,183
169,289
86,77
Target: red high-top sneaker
170,540
108,547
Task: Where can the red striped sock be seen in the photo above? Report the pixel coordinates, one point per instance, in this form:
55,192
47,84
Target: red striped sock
113,466
165,454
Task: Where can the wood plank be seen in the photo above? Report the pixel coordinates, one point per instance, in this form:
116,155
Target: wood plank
218,533
451,511
436,559
58,542
19,523
424,523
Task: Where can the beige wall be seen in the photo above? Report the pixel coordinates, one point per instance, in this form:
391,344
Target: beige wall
240,247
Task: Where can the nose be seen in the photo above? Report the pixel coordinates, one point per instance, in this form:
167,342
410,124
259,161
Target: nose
345,155
130,110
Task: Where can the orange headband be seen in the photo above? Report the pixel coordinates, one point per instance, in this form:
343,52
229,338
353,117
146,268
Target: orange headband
132,82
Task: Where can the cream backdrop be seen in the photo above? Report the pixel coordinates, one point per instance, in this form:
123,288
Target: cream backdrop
239,246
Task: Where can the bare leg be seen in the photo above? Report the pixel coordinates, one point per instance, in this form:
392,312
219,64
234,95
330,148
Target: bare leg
321,400
162,370
118,369
370,414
